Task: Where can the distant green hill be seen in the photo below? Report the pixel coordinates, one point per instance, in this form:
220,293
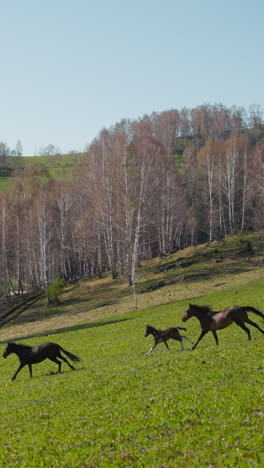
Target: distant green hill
58,166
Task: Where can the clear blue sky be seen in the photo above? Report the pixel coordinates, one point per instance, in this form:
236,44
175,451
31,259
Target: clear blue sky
71,67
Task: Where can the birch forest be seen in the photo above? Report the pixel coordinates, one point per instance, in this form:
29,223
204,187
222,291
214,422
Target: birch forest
145,188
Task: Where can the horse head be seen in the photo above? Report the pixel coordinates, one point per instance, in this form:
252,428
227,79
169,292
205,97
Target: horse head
9,349
149,330
189,313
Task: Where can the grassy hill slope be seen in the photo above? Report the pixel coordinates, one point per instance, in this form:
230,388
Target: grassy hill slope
58,166
201,408
213,269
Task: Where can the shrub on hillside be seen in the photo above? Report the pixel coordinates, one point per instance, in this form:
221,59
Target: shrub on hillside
54,290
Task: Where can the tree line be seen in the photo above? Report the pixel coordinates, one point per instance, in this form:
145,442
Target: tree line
145,188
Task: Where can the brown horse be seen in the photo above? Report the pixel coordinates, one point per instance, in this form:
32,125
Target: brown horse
32,355
212,321
162,336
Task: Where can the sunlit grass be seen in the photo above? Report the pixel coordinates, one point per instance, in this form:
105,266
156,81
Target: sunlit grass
201,408
60,167
121,408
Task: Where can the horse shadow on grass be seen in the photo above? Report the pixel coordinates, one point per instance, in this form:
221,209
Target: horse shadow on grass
52,373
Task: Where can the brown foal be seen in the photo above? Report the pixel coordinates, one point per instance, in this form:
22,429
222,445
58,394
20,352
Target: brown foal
162,336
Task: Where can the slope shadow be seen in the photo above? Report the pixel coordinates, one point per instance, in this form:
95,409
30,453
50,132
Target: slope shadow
41,312
192,276
70,328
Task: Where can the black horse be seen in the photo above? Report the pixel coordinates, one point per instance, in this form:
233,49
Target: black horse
162,336
32,355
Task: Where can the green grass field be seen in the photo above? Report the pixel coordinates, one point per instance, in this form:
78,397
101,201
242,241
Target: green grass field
59,166
202,408
4,183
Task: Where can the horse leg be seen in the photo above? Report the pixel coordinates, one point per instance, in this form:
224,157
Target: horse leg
254,325
18,370
167,346
185,337
67,362
203,332
178,338
30,369
157,341
54,359
151,349
215,336
243,326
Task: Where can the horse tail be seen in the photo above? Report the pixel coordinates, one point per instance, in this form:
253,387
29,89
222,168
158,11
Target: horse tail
181,328
256,311
70,355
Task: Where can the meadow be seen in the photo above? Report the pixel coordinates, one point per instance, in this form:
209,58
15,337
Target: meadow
59,166
201,408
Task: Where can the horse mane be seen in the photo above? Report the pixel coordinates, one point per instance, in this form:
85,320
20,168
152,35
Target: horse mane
206,309
153,328
21,345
